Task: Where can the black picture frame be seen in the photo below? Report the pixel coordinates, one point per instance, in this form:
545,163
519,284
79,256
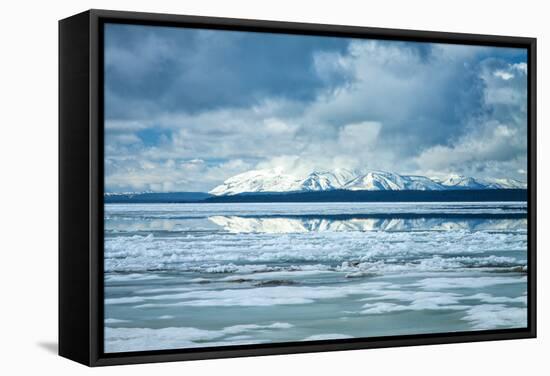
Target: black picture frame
81,187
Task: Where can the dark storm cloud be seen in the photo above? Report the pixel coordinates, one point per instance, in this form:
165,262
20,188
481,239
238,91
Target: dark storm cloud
158,69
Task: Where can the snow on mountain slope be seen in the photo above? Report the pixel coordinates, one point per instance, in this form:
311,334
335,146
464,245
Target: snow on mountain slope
275,180
377,181
381,181
462,182
326,180
272,180
423,183
504,184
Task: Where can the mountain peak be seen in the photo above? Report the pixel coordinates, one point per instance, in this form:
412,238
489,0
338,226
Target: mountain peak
267,180
462,182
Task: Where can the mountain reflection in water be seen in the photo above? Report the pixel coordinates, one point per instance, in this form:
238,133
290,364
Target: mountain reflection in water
282,225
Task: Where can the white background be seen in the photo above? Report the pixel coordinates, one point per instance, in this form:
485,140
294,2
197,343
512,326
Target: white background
28,214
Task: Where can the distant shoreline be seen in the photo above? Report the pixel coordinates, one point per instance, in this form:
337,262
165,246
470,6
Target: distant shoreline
471,195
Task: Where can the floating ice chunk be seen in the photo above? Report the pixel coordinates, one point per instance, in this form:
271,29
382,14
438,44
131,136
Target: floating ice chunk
327,336
383,307
131,277
114,321
488,298
125,300
266,296
140,339
492,316
418,301
467,282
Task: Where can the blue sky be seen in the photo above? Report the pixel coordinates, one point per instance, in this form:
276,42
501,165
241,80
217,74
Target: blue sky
186,108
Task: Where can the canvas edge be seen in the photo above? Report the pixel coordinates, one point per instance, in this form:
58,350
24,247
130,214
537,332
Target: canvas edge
73,258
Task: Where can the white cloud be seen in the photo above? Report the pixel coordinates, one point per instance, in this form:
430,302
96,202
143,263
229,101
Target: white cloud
496,142
521,67
359,136
493,141
504,75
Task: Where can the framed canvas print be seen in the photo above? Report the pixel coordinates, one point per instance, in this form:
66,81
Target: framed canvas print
240,187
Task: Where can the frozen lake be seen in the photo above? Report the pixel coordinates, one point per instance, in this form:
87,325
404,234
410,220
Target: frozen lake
196,275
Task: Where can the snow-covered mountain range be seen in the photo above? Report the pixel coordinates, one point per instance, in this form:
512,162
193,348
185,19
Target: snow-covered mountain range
275,180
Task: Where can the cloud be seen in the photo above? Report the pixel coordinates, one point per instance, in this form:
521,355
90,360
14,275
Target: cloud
496,141
504,75
358,136
303,103
151,70
168,175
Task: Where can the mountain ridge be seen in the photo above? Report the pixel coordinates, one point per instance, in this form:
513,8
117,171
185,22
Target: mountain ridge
276,181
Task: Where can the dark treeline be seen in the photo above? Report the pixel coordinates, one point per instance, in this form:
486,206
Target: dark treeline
152,198
477,195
